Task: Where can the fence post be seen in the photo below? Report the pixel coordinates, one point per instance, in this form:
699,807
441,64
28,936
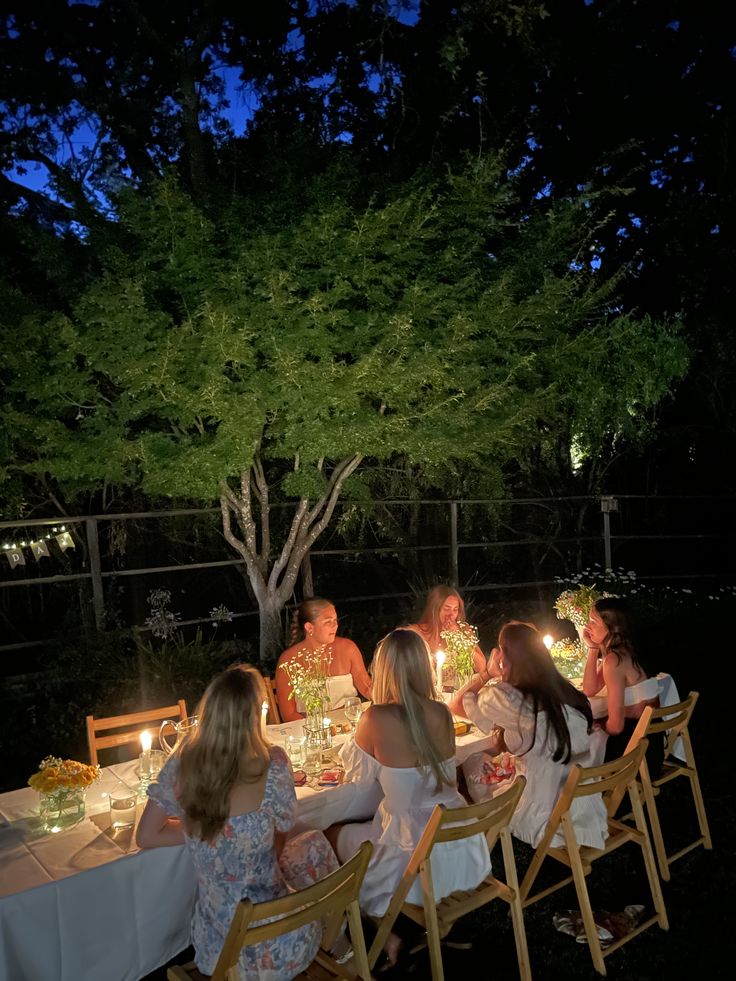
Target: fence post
95,568
454,574
608,505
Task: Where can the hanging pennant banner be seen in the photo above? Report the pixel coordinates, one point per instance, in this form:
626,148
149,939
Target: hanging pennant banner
65,541
40,549
15,557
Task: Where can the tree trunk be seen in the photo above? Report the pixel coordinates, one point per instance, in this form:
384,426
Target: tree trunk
307,577
271,641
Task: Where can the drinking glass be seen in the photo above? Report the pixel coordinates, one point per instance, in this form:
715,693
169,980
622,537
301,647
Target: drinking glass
158,758
353,709
123,802
313,745
295,750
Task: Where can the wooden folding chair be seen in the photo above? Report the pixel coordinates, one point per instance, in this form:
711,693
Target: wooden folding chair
331,900
132,725
607,780
674,721
274,716
490,818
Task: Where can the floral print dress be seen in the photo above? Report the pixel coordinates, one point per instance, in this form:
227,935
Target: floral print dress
241,863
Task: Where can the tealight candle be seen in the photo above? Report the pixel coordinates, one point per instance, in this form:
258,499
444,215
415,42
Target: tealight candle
439,661
145,757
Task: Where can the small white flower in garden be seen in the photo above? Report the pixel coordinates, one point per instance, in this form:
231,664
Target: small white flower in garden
220,614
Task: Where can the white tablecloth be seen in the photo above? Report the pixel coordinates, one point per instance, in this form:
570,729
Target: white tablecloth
87,905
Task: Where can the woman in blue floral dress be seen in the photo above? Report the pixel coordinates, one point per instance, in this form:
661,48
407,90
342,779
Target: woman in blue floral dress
230,797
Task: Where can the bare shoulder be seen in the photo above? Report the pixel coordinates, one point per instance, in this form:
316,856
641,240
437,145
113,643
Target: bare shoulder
288,655
344,645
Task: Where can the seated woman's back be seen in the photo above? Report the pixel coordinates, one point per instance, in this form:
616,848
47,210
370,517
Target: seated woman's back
384,733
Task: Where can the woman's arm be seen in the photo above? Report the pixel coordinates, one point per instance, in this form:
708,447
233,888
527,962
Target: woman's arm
593,675
364,733
287,704
156,828
361,678
615,680
479,660
473,686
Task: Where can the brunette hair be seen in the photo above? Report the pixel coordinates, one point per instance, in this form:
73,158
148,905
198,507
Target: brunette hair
307,610
430,618
621,638
531,670
226,747
402,675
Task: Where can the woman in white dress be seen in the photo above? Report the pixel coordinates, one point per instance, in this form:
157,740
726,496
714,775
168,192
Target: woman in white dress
406,742
613,664
314,629
546,724
443,610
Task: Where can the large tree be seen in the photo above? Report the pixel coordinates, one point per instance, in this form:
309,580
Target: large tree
262,360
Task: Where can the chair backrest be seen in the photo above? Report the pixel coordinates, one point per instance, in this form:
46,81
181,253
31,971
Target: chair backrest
132,725
327,900
489,818
612,780
274,716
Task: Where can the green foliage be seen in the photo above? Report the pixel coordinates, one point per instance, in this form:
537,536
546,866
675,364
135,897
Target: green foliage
430,325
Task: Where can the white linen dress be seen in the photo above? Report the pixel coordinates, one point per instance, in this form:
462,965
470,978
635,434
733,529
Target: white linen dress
500,704
410,795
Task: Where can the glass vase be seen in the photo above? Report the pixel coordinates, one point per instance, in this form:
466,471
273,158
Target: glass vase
61,808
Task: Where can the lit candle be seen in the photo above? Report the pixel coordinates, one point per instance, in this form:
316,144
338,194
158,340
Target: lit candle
439,661
145,757
548,641
264,718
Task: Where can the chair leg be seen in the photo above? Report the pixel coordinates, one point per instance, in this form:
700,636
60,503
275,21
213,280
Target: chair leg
517,913
586,910
657,838
357,939
649,863
700,810
430,922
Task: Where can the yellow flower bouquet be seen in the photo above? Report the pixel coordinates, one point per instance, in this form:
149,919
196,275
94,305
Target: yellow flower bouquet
61,785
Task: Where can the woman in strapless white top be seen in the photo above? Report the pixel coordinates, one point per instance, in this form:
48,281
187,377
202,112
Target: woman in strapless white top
443,610
406,742
314,628
613,664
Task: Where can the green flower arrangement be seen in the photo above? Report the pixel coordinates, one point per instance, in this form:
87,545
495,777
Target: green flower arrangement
569,657
459,646
575,604
308,674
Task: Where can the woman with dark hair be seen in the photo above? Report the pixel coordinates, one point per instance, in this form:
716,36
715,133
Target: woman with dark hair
444,609
230,798
613,664
314,631
547,725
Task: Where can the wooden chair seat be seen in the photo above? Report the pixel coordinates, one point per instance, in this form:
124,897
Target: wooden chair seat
611,780
490,818
332,900
673,721
132,725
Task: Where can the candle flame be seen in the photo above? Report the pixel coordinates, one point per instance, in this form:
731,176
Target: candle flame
146,741
264,708
548,640
440,658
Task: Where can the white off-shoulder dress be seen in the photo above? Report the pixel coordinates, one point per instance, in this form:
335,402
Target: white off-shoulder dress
500,704
410,794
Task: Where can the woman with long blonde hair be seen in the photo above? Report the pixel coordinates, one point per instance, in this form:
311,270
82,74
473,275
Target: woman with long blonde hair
444,610
405,742
230,798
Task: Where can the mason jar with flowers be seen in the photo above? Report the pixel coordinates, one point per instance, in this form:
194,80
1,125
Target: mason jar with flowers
308,673
61,785
460,644
575,605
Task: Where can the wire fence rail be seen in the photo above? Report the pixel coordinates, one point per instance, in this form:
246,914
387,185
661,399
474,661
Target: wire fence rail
86,529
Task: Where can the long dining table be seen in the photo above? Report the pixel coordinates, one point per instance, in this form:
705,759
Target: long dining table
87,905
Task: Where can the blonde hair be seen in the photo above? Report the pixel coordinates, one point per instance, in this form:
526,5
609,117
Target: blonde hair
226,747
402,675
430,618
307,610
